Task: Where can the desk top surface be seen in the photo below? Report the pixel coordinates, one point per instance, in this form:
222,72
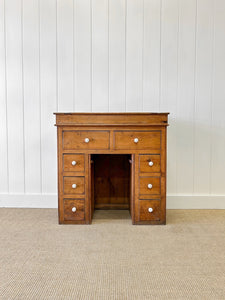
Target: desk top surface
112,119
111,113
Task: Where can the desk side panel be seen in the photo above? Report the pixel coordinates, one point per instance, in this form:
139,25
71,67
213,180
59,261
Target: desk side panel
60,174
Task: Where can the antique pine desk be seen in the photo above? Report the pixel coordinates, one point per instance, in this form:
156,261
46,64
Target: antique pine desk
112,161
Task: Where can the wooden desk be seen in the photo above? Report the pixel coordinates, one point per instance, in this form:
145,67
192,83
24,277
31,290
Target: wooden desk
112,161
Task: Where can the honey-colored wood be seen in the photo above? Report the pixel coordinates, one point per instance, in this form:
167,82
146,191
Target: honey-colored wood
145,190
111,181
107,206
144,161
145,215
73,140
136,189
60,176
87,190
146,140
103,179
91,186
132,176
68,183
69,215
77,158
163,176
111,119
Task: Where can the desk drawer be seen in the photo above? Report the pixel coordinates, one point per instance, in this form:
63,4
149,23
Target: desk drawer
73,209
85,139
137,140
149,186
149,163
73,185
149,210
73,163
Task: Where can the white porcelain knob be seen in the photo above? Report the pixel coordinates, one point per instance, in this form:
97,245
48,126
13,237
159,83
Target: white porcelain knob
74,209
136,140
150,209
74,162
86,140
151,163
74,185
149,186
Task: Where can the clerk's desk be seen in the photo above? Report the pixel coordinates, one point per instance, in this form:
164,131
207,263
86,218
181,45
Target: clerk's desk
112,161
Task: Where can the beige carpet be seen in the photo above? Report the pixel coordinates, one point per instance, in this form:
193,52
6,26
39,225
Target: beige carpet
112,259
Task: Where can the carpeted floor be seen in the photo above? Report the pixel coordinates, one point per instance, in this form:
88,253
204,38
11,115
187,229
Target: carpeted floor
112,259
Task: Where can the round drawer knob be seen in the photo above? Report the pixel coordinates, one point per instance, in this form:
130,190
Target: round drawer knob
150,209
149,186
74,209
74,185
74,162
86,140
151,163
136,140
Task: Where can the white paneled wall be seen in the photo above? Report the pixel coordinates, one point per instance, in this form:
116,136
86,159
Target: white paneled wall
112,55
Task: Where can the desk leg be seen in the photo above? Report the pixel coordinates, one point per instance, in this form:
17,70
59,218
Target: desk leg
88,194
132,188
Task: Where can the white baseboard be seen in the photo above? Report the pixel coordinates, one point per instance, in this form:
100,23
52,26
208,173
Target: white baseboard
29,200
195,202
173,201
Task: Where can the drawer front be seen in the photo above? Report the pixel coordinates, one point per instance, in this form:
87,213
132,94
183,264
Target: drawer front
149,163
149,210
84,139
73,209
73,163
73,185
149,186
137,140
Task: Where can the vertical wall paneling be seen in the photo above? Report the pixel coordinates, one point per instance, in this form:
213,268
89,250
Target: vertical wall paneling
186,96
117,55
82,54
151,54
3,106
218,104
134,41
168,97
203,88
112,55
100,61
65,55
31,96
14,79
48,93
